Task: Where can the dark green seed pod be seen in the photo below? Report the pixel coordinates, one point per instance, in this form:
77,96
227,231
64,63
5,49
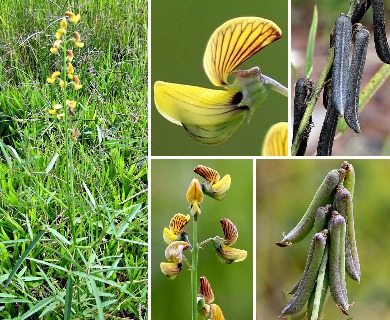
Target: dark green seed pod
337,285
340,72
380,38
303,89
321,198
360,10
309,276
344,206
356,68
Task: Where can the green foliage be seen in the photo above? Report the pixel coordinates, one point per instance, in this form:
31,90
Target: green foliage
100,270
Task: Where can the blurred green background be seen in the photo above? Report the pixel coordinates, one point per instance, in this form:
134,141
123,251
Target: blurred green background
284,191
232,284
179,33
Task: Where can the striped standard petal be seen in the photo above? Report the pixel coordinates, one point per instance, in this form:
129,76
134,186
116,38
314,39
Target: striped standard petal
234,42
276,140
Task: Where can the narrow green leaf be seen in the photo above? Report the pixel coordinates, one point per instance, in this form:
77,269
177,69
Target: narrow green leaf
24,256
59,236
41,304
6,156
15,153
310,44
52,162
68,298
90,196
95,292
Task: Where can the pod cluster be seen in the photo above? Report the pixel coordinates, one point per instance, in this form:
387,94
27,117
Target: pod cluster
349,39
333,251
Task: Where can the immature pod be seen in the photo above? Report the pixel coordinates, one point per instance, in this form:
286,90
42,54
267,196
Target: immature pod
337,285
358,61
321,219
360,10
321,198
309,277
381,45
344,206
303,89
349,179
340,72
321,288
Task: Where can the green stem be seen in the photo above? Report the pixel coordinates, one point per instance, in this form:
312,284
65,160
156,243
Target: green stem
194,269
312,103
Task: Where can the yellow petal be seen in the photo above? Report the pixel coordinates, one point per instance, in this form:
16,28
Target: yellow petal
209,174
54,50
178,222
216,312
234,42
174,252
276,140
76,36
195,196
55,74
190,105
50,80
233,254
222,185
63,24
78,44
169,236
205,290
230,231
170,269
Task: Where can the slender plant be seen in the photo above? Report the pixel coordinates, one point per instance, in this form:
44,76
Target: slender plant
178,241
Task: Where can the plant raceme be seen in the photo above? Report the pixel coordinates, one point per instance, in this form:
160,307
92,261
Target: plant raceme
333,251
211,116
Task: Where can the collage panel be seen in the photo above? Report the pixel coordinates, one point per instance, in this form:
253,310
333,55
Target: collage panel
224,235
283,197
342,49
221,112
73,159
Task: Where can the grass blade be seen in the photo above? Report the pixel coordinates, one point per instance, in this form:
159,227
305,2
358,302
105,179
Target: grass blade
52,162
68,298
24,256
310,44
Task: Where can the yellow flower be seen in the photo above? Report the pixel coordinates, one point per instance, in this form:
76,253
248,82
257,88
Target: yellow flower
174,254
205,298
276,140
63,24
72,17
225,253
69,55
62,83
70,71
54,50
55,111
75,134
176,229
56,46
195,196
214,187
76,83
53,77
71,104
77,39
60,32
211,116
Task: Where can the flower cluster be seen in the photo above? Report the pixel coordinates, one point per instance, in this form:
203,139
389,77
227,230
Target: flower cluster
206,308
63,47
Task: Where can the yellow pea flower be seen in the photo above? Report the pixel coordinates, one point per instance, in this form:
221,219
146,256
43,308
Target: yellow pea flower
77,40
174,254
76,83
225,253
53,77
211,116
70,71
60,32
176,229
276,140
63,23
195,196
69,55
72,17
214,187
205,298
55,111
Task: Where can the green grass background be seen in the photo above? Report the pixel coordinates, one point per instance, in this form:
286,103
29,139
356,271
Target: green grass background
180,31
110,162
232,284
284,191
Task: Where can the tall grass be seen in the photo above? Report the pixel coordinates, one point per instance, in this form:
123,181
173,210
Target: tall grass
44,271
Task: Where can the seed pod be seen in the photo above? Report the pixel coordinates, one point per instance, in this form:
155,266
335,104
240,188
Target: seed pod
344,206
309,276
380,38
360,10
303,89
340,72
349,179
328,132
337,285
355,76
321,288
321,219
321,198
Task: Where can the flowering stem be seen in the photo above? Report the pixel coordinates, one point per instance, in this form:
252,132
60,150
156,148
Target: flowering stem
194,269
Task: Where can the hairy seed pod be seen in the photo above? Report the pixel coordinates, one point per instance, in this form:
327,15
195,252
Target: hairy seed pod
337,285
321,288
349,179
355,76
321,198
303,89
309,276
321,219
328,132
360,10
344,207
340,72
381,45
